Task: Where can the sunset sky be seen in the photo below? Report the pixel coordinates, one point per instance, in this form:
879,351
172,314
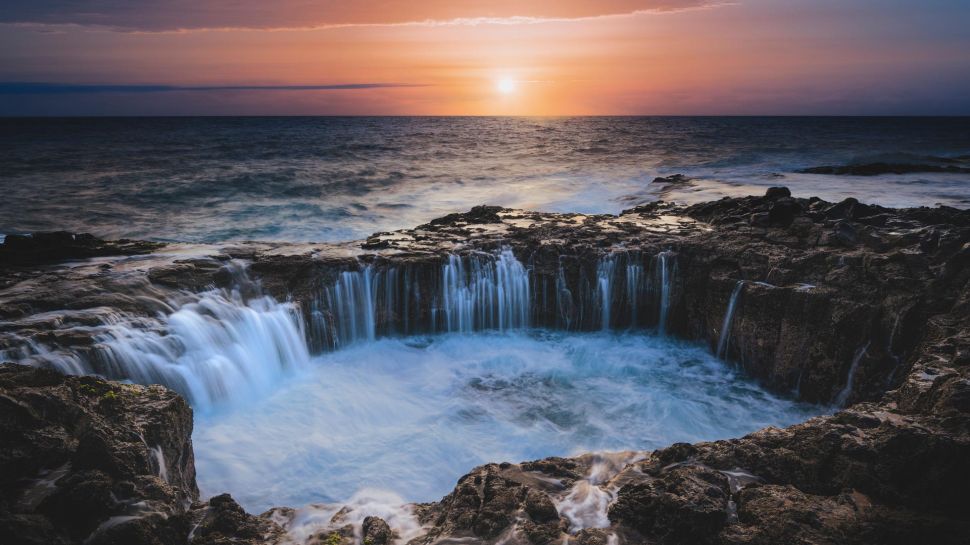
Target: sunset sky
459,57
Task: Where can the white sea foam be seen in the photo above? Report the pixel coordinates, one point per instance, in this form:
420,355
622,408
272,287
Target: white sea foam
412,415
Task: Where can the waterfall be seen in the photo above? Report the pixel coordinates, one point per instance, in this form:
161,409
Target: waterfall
618,298
604,287
223,344
491,293
666,278
467,293
214,347
478,291
355,303
725,337
634,289
843,396
564,299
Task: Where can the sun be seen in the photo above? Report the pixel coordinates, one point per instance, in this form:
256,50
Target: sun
505,86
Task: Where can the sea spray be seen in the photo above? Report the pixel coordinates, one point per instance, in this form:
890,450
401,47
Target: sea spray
725,337
305,524
587,503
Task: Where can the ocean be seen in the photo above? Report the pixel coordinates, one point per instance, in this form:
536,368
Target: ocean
343,178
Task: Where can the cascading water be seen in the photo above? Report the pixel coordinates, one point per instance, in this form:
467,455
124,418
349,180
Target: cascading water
481,291
620,290
634,288
664,270
469,293
354,300
843,397
604,285
722,341
211,350
487,294
565,305
216,347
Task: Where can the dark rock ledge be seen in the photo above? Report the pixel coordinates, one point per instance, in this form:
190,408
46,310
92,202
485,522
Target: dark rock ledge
831,290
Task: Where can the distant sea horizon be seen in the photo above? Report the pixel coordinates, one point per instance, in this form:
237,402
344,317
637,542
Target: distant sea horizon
336,178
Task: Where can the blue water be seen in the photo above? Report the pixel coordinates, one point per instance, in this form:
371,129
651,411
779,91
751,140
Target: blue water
330,179
410,416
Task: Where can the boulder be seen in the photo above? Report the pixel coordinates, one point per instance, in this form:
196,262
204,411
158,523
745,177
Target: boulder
376,532
684,504
775,193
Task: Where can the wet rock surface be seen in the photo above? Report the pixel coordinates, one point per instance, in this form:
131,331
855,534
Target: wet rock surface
844,303
85,460
54,246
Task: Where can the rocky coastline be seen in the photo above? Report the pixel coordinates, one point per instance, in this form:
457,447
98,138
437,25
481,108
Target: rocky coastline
847,304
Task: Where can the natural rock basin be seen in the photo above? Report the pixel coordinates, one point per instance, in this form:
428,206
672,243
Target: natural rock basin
410,415
837,304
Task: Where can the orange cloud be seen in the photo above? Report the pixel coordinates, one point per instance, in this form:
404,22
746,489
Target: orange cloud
750,57
169,15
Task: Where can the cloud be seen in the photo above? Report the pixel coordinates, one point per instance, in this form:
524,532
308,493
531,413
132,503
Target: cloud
34,88
175,15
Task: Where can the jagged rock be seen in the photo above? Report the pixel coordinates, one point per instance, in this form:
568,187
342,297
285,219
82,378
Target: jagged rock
341,536
684,504
783,514
846,234
80,460
47,247
845,290
539,507
850,209
590,536
566,469
760,219
801,226
478,214
222,520
782,213
376,531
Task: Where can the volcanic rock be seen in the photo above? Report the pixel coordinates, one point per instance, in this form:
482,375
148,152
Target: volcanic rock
775,193
842,304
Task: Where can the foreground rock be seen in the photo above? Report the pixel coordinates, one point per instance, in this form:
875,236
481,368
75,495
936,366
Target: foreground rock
839,303
84,460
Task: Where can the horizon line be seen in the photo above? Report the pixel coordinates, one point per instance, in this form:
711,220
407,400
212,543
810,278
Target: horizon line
524,116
